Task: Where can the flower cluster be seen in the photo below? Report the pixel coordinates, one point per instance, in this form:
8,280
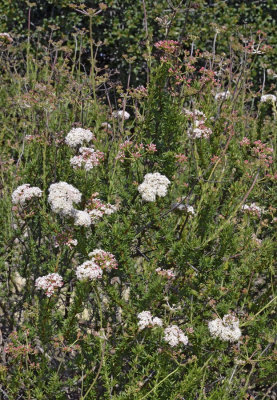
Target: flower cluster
173,335
198,129
146,320
120,114
89,270
24,193
6,37
97,209
88,158
226,329
222,95
153,185
244,142
104,259
61,197
252,209
268,98
263,152
77,136
49,283
168,46
139,92
181,158
130,150
81,218
65,239
167,273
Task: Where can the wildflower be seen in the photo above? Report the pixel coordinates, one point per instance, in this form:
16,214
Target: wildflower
153,185
180,158
81,218
6,37
146,320
174,336
168,46
227,329
89,270
104,259
71,243
97,209
252,209
24,193
106,125
49,283
88,158
151,148
244,142
168,273
268,98
121,114
77,136
223,95
198,129
62,196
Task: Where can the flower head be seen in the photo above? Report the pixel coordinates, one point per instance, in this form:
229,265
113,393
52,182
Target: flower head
153,185
266,98
88,158
77,136
49,283
146,320
227,329
104,259
121,114
24,193
173,335
89,270
62,196
223,95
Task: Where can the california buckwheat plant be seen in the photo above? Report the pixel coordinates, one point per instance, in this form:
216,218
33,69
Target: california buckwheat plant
138,261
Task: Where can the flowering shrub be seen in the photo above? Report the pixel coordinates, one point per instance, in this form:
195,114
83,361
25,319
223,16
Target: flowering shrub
138,262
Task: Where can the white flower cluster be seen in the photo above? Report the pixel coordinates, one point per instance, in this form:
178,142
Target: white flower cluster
104,259
173,335
121,114
88,158
226,329
61,197
97,209
89,270
24,193
223,95
167,273
268,98
81,218
77,136
49,283
146,320
153,185
252,209
198,129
